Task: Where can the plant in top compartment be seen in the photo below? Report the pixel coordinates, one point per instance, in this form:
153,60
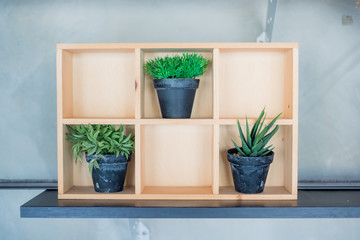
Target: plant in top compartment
107,150
250,163
175,82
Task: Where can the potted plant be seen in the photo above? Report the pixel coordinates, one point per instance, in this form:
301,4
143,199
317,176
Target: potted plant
107,150
175,82
250,163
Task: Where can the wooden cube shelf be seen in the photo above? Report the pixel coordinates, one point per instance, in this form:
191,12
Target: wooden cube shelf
179,158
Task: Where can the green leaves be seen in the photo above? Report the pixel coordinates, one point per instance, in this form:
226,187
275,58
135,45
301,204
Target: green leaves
254,145
188,65
92,164
99,140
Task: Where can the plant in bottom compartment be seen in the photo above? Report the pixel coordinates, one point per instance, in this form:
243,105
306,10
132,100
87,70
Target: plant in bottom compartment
250,163
107,150
175,83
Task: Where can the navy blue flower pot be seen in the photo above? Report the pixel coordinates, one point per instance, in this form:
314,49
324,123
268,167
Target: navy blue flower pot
176,96
249,173
110,177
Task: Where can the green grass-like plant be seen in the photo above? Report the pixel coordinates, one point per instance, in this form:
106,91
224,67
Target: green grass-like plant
254,145
100,140
188,65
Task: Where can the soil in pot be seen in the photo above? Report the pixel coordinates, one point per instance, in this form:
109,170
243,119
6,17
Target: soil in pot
176,96
249,173
110,177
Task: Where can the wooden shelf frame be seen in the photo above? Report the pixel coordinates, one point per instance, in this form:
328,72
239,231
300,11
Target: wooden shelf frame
219,103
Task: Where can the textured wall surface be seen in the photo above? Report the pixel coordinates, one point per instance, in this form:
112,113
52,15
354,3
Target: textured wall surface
329,80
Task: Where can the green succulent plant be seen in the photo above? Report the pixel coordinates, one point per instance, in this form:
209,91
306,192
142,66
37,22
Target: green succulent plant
188,65
254,145
99,140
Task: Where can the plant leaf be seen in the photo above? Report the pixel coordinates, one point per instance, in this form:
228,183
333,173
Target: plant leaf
256,125
96,164
238,148
248,137
91,167
273,121
98,139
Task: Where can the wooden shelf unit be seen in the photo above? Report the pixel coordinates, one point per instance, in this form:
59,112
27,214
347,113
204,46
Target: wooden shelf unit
179,158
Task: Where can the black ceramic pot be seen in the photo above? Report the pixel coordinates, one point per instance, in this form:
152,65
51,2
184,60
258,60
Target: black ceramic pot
176,96
110,177
249,173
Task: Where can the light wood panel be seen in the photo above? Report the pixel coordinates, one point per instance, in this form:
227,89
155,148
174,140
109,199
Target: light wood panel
290,161
251,121
67,173
288,93
216,83
215,157
251,80
113,121
138,166
178,193
138,86
103,85
189,121
291,180
164,121
91,47
177,190
179,158
269,193
66,83
83,192
177,155
59,99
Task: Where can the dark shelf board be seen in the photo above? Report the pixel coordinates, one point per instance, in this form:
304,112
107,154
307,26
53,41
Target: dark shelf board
310,204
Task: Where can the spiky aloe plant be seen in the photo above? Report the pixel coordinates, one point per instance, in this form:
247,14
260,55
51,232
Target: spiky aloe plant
254,145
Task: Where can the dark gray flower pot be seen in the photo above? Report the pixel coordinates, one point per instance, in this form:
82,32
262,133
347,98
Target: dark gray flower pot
110,177
249,173
176,96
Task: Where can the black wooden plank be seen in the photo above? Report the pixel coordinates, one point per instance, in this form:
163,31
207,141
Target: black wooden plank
310,204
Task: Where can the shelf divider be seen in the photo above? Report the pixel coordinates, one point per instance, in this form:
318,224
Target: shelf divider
138,167
216,130
138,87
113,121
216,83
233,121
216,170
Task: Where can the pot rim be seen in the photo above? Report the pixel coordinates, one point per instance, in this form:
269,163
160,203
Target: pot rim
168,79
183,83
108,158
249,161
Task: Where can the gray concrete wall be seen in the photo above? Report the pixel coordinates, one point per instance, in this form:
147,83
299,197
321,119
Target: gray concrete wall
329,84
